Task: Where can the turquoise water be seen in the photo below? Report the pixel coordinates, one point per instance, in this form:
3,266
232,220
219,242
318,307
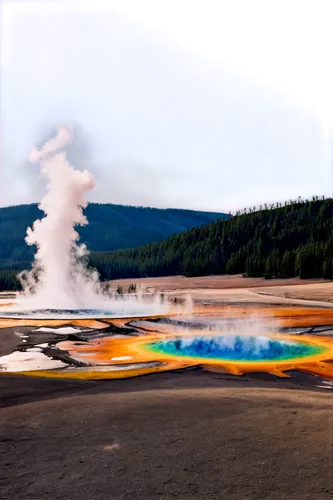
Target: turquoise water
235,348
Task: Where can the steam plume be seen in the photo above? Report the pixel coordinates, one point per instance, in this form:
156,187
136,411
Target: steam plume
60,278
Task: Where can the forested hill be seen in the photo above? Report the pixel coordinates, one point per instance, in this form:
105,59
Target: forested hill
291,240
110,227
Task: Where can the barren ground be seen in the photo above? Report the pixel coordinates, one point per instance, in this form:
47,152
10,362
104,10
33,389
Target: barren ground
175,438
216,282
239,289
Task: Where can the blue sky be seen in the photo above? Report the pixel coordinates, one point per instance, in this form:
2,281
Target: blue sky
204,105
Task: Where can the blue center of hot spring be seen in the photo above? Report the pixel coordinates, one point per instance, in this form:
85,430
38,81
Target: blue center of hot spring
235,348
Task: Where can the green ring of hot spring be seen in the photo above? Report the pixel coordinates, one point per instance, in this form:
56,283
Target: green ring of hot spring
241,348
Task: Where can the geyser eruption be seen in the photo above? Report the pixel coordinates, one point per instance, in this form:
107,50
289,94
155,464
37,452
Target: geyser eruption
60,277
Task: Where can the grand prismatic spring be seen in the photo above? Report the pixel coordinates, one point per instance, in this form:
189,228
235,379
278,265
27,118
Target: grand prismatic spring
214,338
68,327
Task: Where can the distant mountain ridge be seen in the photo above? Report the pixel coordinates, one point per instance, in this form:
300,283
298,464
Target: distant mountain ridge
282,241
110,227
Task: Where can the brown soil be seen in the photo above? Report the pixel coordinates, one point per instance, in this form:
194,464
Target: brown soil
180,436
8,341
236,289
307,291
173,283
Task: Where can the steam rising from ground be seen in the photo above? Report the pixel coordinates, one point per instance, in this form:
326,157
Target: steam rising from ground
240,339
60,278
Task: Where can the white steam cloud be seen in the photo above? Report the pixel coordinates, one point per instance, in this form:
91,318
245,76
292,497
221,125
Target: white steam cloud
60,278
253,328
253,335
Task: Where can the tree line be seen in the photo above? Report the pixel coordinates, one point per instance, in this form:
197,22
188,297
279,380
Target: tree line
9,280
294,239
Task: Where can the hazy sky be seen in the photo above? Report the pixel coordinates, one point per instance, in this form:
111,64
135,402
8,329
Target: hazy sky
212,105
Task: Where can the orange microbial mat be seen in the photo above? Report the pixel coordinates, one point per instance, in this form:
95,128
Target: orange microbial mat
232,339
